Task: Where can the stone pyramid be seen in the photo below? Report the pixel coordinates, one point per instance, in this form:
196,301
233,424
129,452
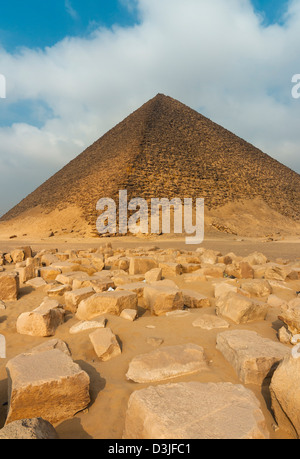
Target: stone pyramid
166,149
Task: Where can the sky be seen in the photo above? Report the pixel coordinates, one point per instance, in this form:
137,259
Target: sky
74,69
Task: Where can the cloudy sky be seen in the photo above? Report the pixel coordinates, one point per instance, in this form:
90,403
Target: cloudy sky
75,68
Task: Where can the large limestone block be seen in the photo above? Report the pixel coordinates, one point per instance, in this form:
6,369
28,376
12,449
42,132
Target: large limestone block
194,299
42,321
162,298
210,322
240,309
195,411
153,275
49,273
285,395
167,362
105,344
170,269
74,297
47,385
253,357
141,265
290,315
106,303
29,429
257,287
9,286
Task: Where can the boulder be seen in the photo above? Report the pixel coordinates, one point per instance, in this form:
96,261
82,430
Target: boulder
162,298
210,322
106,303
42,321
87,325
153,275
74,297
105,344
192,410
194,299
29,429
240,309
170,269
46,384
9,286
253,357
290,315
167,362
257,287
285,395
141,265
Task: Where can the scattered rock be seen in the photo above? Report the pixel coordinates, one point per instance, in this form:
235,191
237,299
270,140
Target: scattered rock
254,358
46,384
106,303
210,322
9,286
194,411
168,362
29,429
105,344
87,325
42,321
240,309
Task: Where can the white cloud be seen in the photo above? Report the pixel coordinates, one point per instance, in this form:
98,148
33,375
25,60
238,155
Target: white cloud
70,10
215,56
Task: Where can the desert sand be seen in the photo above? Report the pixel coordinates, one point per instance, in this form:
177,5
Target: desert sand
109,389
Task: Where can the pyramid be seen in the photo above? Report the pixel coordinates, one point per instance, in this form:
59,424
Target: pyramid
165,150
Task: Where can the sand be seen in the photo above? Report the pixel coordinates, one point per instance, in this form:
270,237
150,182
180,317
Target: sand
110,391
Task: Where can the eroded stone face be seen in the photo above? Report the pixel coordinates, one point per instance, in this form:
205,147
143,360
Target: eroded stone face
285,395
167,362
46,384
9,286
253,357
194,411
106,302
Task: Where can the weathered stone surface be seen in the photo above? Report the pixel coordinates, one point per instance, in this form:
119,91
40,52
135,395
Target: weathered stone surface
106,303
153,275
210,322
240,309
167,362
222,288
46,384
285,395
74,297
105,344
129,314
256,258
290,315
240,270
141,265
257,287
162,298
42,321
9,286
29,429
36,282
280,272
136,287
58,290
194,411
253,357
194,299
17,255
51,344
170,269
49,273
88,325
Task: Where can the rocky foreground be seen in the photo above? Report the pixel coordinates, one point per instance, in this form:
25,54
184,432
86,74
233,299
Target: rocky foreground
246,309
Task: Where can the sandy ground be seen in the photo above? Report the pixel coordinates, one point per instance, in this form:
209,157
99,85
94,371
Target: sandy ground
110,391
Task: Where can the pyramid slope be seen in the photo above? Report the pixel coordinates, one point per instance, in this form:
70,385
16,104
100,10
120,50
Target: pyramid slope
166,149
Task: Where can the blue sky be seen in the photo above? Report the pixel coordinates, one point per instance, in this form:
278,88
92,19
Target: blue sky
39,23
75,68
